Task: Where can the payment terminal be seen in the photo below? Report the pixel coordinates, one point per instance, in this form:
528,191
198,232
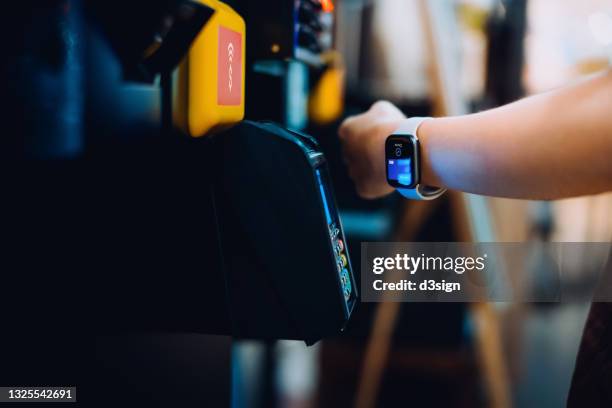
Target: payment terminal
287,267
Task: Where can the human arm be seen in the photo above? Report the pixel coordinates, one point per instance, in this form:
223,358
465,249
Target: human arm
553,145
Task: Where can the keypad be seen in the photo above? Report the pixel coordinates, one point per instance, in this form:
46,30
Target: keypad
341,261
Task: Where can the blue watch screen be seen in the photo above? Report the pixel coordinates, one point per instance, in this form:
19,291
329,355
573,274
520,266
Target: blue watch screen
400,161
400,171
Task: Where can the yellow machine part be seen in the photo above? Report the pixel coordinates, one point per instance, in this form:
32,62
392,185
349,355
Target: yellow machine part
326,102
209,82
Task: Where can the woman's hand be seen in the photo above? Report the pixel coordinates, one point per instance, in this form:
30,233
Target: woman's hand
363,143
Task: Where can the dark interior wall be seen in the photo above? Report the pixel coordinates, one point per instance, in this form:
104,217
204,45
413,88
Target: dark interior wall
108,227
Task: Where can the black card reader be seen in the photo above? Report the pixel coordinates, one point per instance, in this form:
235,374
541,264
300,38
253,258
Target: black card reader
287,267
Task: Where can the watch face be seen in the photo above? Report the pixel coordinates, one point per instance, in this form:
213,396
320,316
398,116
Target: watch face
401,161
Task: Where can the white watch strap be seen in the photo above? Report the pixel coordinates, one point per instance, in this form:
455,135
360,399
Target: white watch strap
420,192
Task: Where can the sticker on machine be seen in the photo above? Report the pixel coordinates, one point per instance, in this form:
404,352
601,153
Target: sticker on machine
229,84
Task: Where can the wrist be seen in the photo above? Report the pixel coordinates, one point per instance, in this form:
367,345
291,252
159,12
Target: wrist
429,133
404,162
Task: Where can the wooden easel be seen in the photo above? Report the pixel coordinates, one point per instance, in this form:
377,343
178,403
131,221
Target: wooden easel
473,223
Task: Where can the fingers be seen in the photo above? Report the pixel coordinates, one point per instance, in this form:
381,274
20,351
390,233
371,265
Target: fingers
362,138
348,126
344,128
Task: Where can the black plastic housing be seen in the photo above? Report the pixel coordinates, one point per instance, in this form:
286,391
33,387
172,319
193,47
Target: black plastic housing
280,263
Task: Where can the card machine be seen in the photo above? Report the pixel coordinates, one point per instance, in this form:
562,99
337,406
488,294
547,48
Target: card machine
287,266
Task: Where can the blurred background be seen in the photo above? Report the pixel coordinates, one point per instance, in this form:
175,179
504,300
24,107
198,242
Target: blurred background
445,355
75,95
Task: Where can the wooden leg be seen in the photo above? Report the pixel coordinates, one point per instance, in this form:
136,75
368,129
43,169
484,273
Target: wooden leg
379,345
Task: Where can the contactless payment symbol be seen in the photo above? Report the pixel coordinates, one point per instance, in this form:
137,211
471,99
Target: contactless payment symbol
229,80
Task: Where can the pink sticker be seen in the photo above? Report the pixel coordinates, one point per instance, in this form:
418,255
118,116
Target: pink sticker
229,68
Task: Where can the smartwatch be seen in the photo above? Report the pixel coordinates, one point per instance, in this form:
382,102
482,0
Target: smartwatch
402,161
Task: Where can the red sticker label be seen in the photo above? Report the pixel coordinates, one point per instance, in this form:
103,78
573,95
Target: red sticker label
229,68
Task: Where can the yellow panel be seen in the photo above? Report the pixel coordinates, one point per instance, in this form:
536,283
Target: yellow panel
326,102
209,84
